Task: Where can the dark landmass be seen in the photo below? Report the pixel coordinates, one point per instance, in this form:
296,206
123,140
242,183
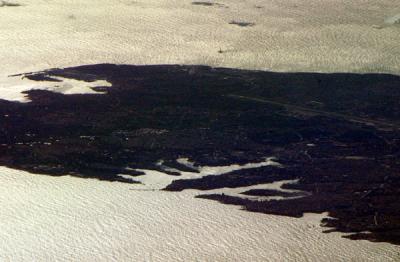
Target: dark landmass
8,4
242,24
270,192
203,3
338,134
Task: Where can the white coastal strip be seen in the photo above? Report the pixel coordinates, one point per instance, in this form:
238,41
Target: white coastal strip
156,180
14,88
277,185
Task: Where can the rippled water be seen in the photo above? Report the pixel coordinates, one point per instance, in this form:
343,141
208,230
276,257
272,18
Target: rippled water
68,218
